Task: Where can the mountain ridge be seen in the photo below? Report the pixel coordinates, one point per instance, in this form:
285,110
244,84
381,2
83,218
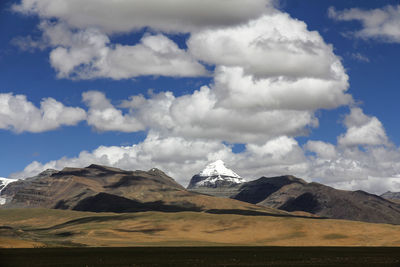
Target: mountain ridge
294,194
101,188
104,189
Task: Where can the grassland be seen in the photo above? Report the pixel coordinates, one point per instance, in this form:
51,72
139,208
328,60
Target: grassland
58,228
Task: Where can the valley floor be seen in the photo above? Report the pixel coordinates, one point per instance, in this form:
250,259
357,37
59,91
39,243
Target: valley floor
26,228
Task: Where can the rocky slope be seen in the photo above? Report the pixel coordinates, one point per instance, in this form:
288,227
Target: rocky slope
216,180
293,194
99,188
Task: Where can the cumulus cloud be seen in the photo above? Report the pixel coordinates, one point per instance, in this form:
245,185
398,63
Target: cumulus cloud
198,116
368,167
20,115
362,130
239,109
363,159
239,106
175,155
88,54
381,23
272,45
182,158
79,34
236,89
270,76
164,15
103,116
321,149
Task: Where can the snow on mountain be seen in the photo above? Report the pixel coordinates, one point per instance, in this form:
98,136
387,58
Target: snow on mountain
218,168
3,183
215,174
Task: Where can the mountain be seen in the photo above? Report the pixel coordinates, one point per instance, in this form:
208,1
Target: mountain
3,183
293,194
392,196
105,189
217,180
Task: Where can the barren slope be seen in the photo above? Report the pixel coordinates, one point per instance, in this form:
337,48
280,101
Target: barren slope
293,194
99,188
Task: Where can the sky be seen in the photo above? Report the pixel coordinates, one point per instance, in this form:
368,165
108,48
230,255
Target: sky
301,87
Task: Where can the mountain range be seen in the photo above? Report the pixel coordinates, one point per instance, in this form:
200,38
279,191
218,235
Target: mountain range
216,189
294,194
104,189
102,206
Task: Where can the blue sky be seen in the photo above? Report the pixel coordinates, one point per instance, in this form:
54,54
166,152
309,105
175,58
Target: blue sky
346,136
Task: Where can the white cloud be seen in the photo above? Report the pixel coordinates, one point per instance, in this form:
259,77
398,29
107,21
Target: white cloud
241,107
321,149
177,156
271,75
279,156
88,54
236,89
273,45
360,57
127,15
364,158
20,115
79,34
27,43
103,116
198,115
362,130
372,168
182,158
381,23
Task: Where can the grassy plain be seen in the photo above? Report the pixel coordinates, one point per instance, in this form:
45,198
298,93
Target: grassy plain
61,228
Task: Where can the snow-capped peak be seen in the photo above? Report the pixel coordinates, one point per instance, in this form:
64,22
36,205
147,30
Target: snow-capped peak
218,168
215,175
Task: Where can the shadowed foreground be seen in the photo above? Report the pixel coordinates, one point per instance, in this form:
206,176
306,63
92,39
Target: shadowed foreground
202,256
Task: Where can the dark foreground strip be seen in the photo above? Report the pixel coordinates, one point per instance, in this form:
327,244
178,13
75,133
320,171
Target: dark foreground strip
201,256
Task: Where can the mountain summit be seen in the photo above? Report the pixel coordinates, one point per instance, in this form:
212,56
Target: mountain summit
218,168
215,175
216,180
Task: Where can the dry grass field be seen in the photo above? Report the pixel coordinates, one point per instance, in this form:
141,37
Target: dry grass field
58,228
